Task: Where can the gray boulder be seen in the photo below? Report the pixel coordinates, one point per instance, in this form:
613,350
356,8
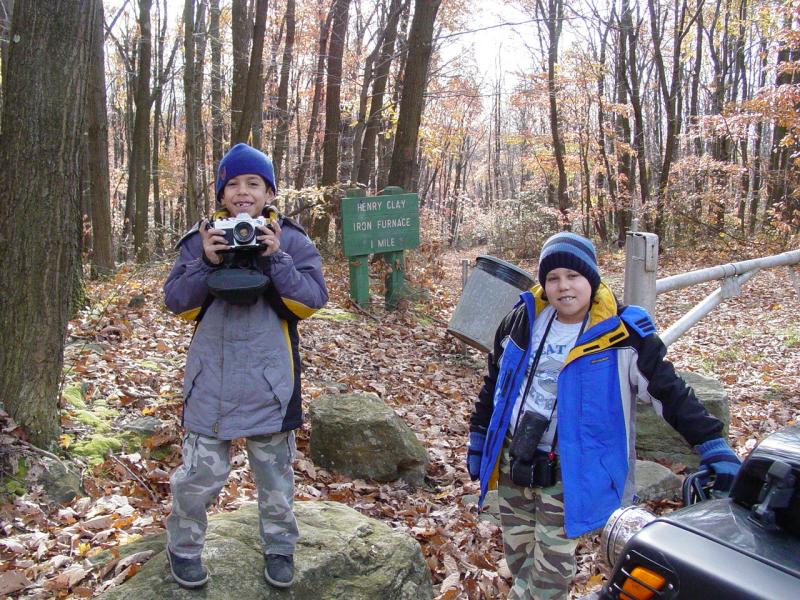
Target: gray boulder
656,440
341,554
60,482
656,482
358,435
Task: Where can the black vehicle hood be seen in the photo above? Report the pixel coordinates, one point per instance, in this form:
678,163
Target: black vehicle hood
728,523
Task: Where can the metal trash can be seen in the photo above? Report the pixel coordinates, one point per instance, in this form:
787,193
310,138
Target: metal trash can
491,291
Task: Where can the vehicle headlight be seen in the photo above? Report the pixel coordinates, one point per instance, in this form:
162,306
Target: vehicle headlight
622,525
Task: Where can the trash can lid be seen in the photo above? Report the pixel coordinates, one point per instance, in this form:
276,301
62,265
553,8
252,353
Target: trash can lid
505,271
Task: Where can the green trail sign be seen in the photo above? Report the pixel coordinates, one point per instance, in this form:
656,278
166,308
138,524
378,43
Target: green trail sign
384,224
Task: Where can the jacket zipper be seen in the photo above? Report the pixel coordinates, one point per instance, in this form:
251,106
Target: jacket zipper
215,428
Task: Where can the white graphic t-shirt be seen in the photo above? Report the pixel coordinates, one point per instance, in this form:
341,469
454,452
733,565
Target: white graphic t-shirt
541,395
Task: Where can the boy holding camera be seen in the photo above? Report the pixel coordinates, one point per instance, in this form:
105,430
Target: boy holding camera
242,376
553,425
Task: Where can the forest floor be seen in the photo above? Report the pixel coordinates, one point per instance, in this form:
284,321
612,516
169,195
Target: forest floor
125,355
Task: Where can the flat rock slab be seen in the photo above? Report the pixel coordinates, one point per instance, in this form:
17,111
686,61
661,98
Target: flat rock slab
341,554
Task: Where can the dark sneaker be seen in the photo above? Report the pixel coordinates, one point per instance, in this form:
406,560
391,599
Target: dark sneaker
279,571
188,572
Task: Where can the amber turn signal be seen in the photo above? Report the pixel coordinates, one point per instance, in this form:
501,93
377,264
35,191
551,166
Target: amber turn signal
641,583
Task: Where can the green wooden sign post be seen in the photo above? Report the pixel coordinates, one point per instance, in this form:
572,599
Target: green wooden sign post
384,224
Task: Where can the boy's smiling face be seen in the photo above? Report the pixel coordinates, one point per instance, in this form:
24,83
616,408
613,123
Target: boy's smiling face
569,293
246,194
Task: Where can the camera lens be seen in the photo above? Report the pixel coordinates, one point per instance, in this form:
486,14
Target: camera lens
244,233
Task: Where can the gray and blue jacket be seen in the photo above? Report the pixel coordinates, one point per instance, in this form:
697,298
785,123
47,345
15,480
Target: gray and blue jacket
617,359
242,374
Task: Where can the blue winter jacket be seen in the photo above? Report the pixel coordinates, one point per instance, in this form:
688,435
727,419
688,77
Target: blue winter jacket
617,359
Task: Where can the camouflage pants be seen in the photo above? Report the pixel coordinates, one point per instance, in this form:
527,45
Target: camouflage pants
205,469
540,556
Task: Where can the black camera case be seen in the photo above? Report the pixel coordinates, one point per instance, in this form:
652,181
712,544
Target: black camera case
531,467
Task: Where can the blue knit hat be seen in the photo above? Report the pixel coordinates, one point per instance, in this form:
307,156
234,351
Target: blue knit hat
244,160
569,251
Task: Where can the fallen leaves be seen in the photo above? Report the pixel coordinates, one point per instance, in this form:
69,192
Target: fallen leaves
131,359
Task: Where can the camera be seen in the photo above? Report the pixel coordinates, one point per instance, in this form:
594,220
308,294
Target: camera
531,467
241,231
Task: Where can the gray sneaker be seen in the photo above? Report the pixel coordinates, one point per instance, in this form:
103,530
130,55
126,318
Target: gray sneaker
279,571
190,573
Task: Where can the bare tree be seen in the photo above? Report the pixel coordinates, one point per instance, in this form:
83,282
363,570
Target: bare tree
333,115
319,75
282,134
240,129
367,159
414,82
140,163
217,125
102,257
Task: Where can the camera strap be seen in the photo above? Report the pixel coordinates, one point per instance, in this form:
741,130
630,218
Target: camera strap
532,376
534,366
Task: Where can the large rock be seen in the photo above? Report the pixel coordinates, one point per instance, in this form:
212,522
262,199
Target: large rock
656,482
656,440
60,483
360,436
341,554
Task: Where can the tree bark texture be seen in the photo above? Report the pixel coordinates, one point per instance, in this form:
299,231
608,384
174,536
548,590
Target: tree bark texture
412,101
241,32
45,101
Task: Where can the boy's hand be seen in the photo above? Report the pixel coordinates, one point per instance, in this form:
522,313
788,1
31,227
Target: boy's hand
271,237
213,243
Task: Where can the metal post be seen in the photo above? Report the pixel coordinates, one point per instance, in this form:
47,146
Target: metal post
395,279
641,262
359,279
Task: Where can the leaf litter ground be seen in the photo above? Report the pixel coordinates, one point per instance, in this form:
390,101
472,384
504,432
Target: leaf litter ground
124,360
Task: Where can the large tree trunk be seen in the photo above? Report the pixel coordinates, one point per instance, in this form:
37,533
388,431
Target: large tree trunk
141,133
367,160
6,8
102,258
333,114
45,101
241,32
240,130
282,134
412,102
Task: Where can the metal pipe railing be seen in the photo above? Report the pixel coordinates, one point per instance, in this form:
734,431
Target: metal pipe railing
642,287
677,282
700,310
